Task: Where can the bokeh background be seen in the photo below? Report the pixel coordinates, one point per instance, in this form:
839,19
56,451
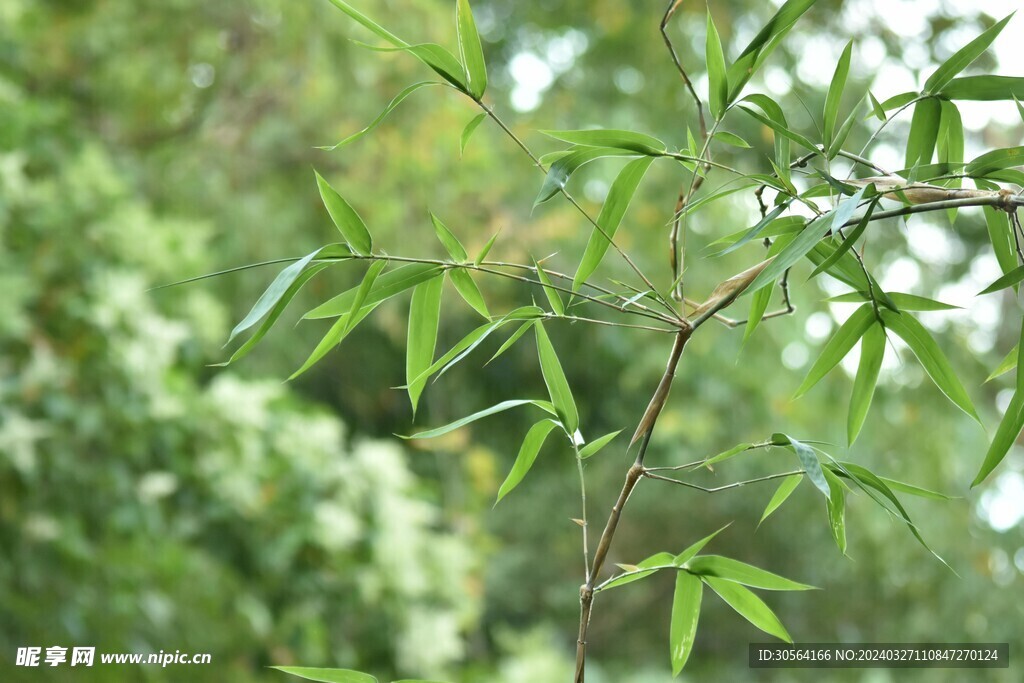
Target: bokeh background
149,501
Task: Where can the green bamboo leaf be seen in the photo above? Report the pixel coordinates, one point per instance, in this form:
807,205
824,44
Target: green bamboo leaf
596,445
1001,237
467,289
758,230
468,131
691,552
527,455
718,79
451,243
806,240
872,351
1008,363
741,572
557,305
497,408
685,613
782,130
836,508
790,225
985,88
472,51
1006,435
835,94
912,490
554,378
424,314
924,129
615,204
335,335
963,58
660,560
876,108
399,98
931,357
844,130
731,139
996,160
364,290
951,138
1009,280
762,45
725,455
513,338
781,494
369,23
443,62
487,249
761,298
848,243
838,346
562,169
626,140
847,271
905,302
327,675
808,460
386,286
349,224
774,112
748,606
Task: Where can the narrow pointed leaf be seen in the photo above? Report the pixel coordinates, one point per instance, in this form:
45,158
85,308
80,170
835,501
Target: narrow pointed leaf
364,289
847,244
424,313
762,297
1001,237
836,508
876,108
557,305
399,98
731,139
627,140
1006,435
748,606
741,572
718,80
1009,280
349,224
725,455
685,613
924,129
596,445
504,405
1008,363
615,204
443,62
657,560
449,240
835,94
467,289
472,51
781,494
872,351
527,456
995,160
368,23
905,302
562,169
758,229
554,378
963,58
486,250
985,88
762,45
327,675
273,294
838,346
808,460
691,552
468,131
335,335
513,338
931,357
384,287
912,490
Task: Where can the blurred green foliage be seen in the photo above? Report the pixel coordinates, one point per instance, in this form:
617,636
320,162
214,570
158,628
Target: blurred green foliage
148,502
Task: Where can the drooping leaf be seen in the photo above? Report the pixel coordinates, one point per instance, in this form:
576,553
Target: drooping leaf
718,79
808,460
327,675
386,286
369,23
836,508
782,129
748,606
838,346
1006,435
362,291
615,204
847,244
1009,280
527,455
685,613
912,490
554,378
995,160
335,335
757,230
424,314
349,224
775,113
472,51
835,94
438,58
924,130
449,240
513,338
467,289
596,445
626,140
963,58
1001,237
468,131
872,351
781,494
462,422
561,170
876,108
807,239
931,357
741,572
399,98
762,297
